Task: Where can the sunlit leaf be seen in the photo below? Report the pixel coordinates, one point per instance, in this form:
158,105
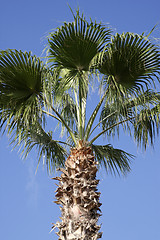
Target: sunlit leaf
74,44
132,60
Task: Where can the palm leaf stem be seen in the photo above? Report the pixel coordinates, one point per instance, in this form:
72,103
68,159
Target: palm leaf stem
114,125
64,122
77,107
63,143
82,108
101,122
93,116
51,115
61,119
80,124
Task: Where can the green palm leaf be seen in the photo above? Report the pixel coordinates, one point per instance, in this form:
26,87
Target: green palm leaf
74,45
21,85
49,151
132,60
124,107
114,160
146,126
139,115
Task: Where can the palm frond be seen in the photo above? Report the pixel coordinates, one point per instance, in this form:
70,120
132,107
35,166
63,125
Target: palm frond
93,116
114,160
146,126
49,151
74,45
127,108
21,84
132,60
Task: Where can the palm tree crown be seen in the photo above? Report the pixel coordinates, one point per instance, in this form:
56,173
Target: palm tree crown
127,66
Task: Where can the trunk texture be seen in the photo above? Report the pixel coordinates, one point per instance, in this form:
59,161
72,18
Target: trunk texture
77,193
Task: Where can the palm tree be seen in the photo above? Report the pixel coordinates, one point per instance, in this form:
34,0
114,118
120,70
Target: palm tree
123,68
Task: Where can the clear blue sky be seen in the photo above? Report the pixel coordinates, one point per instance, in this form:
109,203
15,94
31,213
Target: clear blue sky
131,205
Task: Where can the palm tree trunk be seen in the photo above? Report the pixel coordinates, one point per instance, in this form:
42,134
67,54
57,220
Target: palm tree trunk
77,193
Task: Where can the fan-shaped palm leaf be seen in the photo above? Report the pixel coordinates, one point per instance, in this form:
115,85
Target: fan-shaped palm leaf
132,60
21,85
74,45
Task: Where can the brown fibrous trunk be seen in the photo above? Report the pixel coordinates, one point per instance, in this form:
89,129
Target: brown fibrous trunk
78,195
